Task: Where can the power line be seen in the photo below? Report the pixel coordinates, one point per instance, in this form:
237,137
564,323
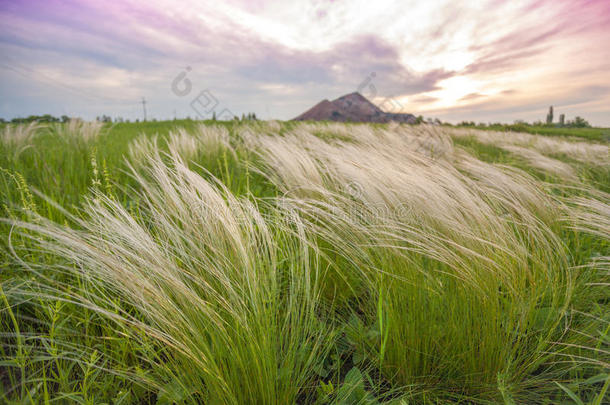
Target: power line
144,107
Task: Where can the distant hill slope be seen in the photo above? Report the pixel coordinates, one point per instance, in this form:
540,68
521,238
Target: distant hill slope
353,107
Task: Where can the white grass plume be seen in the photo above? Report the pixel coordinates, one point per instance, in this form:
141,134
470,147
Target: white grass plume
208,276
78,131
586,152
17,138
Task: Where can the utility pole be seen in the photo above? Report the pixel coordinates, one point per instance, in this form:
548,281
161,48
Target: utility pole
144,107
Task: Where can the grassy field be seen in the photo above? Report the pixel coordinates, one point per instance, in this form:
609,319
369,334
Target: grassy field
309,263
591,133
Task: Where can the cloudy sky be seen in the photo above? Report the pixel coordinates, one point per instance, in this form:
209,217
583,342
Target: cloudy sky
482,60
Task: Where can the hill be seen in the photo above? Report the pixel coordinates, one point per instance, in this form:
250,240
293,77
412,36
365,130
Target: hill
353,107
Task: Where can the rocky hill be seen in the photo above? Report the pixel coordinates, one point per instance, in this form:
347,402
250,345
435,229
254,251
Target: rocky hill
353,107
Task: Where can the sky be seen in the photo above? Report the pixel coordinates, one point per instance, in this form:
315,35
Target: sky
479,60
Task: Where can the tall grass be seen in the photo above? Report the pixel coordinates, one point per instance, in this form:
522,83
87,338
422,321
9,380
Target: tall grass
231,299
15,139
311,263
451,262
78,132
592,153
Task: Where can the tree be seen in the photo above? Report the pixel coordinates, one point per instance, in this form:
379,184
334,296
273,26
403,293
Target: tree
579,122
35,118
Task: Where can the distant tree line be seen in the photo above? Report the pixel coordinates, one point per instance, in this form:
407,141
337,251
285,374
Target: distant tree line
248,117
244,117
577,122
48,118
37,118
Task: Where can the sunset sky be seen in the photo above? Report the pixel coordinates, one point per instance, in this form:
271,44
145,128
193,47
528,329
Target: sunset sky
481,60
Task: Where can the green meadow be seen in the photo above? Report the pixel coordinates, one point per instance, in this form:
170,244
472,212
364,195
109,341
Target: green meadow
265,262
588,133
